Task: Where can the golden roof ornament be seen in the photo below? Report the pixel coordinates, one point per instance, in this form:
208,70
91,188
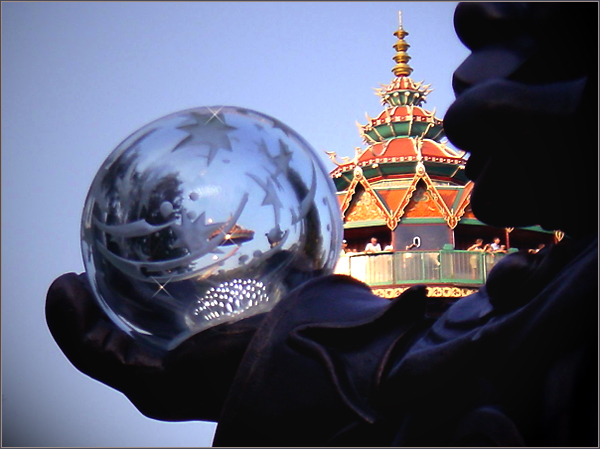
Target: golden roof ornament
402,91
401,57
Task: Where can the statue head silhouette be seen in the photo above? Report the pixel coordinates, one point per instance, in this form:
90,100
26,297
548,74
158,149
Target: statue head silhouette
527,112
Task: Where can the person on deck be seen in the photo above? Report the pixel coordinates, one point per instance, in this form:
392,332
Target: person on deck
373,246
495,245
477,246
502,249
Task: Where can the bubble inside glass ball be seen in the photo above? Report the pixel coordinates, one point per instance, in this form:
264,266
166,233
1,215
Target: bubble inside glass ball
204,217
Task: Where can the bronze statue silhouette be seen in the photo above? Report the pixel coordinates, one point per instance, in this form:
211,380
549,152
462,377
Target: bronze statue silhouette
334,365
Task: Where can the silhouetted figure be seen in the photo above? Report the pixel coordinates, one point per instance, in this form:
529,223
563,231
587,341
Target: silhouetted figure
332,364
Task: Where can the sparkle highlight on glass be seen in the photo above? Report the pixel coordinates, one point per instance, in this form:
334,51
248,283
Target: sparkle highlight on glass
205,217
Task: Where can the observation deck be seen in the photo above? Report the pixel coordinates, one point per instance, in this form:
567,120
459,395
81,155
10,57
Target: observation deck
447,273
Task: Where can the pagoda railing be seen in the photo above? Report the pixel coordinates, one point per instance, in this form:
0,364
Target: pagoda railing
419,267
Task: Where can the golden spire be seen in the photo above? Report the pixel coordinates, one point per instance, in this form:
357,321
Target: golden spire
401,68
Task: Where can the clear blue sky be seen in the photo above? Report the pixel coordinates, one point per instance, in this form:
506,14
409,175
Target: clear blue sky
79,77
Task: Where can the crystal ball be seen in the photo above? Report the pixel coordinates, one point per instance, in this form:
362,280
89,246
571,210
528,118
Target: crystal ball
204,217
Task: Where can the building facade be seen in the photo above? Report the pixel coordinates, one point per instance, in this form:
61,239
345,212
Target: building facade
408,190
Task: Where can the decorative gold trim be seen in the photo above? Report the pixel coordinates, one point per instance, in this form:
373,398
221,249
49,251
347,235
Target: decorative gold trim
384,147
412,118
391,125
377,132
432,292
368,189
349,194
449,292
401,57
418,145
359,178
429,125
393,218
389,117
447,150
466,199
446,214
397,216
333,156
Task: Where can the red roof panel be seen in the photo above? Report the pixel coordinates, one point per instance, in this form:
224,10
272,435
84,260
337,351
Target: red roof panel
396,148
448,197
392,198
431,149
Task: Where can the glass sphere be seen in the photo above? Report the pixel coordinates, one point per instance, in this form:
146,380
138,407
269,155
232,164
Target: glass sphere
203,217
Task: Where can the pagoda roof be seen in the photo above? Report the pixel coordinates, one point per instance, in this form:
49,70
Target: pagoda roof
403,83
399,157
402,113
390,203
403,91
405,154
408,149
407,174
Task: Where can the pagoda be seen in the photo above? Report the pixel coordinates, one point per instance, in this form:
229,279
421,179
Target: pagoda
408,189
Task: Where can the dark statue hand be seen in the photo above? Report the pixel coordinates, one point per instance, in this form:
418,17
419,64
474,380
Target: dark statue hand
188,383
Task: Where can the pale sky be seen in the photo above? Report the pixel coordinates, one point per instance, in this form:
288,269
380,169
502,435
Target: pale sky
79,77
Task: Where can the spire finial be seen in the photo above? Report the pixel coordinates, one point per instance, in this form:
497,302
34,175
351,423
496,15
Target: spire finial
401,57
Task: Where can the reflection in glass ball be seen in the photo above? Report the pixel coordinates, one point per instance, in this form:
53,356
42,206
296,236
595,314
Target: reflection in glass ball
203,217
